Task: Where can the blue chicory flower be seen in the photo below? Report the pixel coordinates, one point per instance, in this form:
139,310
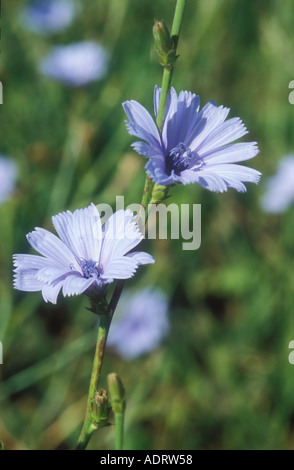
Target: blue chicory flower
48,16
279,193
140,323
194,146
8,173
86,257
76,64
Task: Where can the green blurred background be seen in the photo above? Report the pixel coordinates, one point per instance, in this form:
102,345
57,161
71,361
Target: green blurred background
221,379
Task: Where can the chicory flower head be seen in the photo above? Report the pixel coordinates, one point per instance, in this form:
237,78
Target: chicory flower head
48,16
195,146
140,323
279,194
84,259
7,177
76,64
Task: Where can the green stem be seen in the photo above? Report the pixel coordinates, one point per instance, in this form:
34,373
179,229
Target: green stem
146,198
166,81
105,319
88,426
177,22
165,87
167,72
119,430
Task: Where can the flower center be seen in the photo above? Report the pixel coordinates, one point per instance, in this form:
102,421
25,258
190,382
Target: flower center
178,159
90,268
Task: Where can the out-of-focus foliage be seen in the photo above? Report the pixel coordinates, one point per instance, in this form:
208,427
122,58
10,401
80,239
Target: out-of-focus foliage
221,379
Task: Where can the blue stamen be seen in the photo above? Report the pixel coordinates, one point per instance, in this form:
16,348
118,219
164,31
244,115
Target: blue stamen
90,268
178,159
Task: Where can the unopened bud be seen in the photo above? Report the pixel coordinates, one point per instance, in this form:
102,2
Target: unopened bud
164,44
162,39
116,393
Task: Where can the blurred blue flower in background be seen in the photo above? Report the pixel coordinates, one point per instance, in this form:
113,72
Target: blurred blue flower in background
8,172
140,323
48,16
76,64
84,259
194,146
279,194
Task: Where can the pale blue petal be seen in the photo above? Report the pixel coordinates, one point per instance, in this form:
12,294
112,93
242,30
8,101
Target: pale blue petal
120,268
210,117
141,124
50,292
171,106
235,184
181,121
231,153
50,274
157,172
86,226
121,235
32,262
75,284
25,280
141,257
207,179
143,148
221,177
26,269
156,98
238,172
147,150
63,224
224,134
50,246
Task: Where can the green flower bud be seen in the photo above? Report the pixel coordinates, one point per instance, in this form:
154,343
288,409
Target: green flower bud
162,39
116,393
164,44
